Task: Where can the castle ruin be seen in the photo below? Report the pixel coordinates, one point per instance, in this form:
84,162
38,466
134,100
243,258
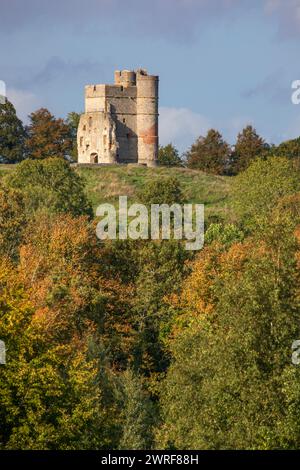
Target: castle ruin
120,123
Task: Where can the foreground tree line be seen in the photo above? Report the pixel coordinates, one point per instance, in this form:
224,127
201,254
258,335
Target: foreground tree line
45,136
142,344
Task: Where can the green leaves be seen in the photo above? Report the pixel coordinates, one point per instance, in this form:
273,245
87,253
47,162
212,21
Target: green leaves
168,155
12,221
233,359
138,414
257,191
50,185
210,153
248,147
12,134
162,190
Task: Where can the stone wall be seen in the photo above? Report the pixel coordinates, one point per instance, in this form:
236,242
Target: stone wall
121,121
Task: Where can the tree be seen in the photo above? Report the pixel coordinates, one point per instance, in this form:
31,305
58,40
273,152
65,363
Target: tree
232,348
224,234
56,389
249,146
12,221
73,122
258,190
210,154
47,136
289,149
138,414
12,134
162,190
59,255
169,156
50,185
162,266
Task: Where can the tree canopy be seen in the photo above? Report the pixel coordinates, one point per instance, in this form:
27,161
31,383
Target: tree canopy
168,155
12,134
249,145
47,136
210,153
51,185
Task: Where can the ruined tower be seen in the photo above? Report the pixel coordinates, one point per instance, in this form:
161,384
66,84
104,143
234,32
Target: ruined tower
147,117
120,123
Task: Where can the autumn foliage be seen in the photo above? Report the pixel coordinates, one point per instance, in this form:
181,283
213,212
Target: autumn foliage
140,344
47,136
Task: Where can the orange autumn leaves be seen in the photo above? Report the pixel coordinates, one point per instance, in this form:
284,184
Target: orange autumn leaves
198,297
62,267
16,309
61,271
56,264
211,269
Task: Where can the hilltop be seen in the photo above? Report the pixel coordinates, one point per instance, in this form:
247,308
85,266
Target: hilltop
107,183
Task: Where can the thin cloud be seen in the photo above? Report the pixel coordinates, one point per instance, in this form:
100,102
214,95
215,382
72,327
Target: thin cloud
24,102
287,15
181,126
176,19
275,87
55,69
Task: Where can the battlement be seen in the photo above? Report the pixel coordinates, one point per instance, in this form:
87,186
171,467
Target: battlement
128,78
125,78
121,120
94,90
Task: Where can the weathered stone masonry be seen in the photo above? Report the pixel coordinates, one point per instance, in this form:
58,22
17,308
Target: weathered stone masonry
120,123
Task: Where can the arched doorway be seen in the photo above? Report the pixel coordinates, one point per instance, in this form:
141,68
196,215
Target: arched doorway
94,158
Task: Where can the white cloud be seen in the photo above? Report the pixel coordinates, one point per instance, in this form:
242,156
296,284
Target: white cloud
181,126
233,126
25,102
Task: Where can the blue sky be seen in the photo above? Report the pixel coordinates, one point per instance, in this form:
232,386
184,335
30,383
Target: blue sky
222,63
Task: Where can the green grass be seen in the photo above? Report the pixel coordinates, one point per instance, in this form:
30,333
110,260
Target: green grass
107,183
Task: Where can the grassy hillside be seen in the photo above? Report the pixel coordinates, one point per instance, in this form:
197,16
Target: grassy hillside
107,183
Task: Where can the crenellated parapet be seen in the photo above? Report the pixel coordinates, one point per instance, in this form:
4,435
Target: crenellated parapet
120,123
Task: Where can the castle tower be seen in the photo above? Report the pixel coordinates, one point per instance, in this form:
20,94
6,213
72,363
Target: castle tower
147,117
120,123
125,78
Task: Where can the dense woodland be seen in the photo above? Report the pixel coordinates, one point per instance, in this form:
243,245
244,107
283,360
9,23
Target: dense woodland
142,344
